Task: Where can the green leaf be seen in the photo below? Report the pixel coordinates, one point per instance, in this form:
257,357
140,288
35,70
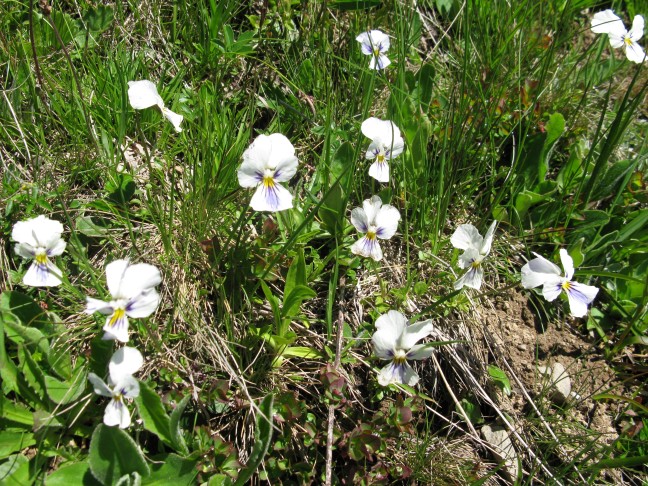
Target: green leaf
113,454
151,409
121,190
638,221
525,199
8,370
576,252
86,226
426,76
220,480
34,376
340,170
294,300
177,440
99,19
15,413
296,274
72,474
331,211
15,471
28,312
355,4
11,442
64,392
500,378
301,352
174,470
263,437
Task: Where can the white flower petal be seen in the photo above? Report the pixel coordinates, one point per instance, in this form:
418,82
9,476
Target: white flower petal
38,275
467,258
371,207
117,414
125,361
367,247
273,197
472,278
115,272
25,250
365,42
488,239
96,305
395,148
606,22
143,94
466,236
258,153
635,53
380,171
552,287
38,232
579,296
382,63
127,386
286,169
636,32
250,173
387,222
537,271
282,152
57,248
384,131
414,333
139,278
100,387
174,118
116,326
567,263
420,351
373,150
393,323
398,373
143,305
359,220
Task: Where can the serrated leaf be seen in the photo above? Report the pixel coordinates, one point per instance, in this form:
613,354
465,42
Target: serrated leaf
151,410
296,274
177,440
32,374
262,439
86,226
28,312
14,412
114,454
8,371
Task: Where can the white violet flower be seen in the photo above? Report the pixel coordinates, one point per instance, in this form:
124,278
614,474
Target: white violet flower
466,237
606,22
133,293
375,43
375,221
121,384
395,341
541,271
143,94
40,239
386,144
270,159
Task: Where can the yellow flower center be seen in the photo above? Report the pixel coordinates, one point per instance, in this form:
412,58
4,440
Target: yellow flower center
371,234
117,316
476,264
400,357
268,182
41,258
117,397
380,157
566,285
628,40
376,51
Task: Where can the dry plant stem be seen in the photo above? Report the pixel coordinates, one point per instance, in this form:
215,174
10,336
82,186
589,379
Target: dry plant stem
336,364
542,419
454,398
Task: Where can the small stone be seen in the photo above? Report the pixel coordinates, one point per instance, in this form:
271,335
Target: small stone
502,448
559,380
522,347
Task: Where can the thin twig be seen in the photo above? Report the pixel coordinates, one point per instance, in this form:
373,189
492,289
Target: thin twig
336,365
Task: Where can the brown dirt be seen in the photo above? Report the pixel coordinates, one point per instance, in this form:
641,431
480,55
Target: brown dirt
513,334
